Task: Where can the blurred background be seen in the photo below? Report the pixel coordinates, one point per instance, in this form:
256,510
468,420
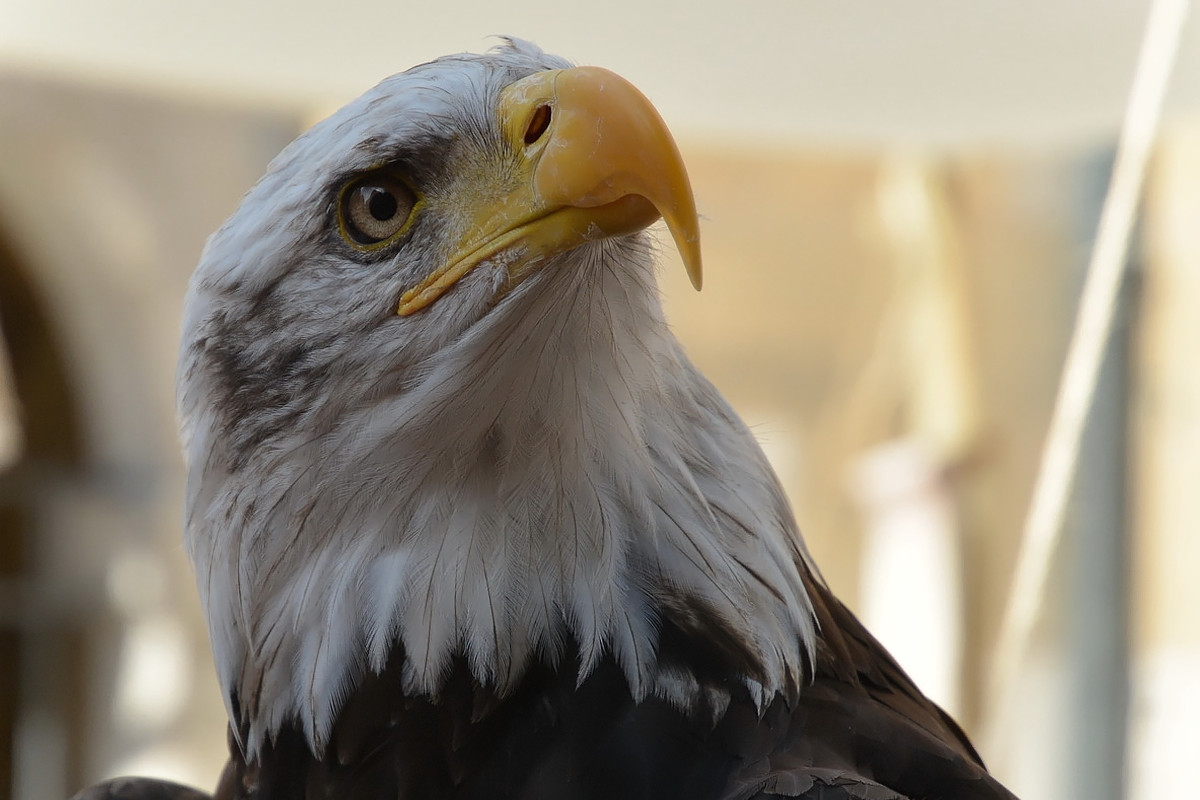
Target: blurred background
899,201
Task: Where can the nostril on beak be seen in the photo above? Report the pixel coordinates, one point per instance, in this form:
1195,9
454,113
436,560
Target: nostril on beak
538,124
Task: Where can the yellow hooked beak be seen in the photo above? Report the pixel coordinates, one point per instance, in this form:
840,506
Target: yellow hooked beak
594,159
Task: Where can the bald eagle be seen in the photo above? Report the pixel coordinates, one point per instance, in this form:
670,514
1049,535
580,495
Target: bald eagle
465,520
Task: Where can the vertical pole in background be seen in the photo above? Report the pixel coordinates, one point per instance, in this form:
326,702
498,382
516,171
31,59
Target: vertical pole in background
1089,340
1096,563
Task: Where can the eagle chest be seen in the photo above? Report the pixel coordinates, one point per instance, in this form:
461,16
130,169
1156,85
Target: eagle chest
548,737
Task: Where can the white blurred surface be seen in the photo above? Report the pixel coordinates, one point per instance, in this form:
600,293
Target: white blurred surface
927,71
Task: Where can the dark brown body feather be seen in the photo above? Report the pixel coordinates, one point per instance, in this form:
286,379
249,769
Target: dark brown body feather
140,789
860,731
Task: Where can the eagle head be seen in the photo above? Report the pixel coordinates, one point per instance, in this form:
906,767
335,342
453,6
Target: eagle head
432,411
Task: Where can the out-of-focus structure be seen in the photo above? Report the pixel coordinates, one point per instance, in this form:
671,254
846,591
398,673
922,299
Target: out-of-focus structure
895,237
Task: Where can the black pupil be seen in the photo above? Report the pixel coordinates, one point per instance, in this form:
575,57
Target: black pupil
381,203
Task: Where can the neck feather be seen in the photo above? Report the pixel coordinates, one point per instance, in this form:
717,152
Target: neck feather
559,478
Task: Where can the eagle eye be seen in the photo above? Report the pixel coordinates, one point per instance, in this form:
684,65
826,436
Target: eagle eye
374,208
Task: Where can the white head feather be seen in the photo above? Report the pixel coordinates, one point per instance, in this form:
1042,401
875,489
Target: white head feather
491,479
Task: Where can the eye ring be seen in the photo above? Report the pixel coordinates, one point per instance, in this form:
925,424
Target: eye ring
374,209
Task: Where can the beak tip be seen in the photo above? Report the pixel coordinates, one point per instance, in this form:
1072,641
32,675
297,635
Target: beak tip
689,250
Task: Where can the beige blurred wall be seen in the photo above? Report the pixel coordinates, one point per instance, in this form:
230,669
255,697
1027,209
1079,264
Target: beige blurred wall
930,72
1166,551
106,198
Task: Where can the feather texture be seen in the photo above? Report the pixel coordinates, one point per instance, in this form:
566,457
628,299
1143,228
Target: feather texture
554,470
512,545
